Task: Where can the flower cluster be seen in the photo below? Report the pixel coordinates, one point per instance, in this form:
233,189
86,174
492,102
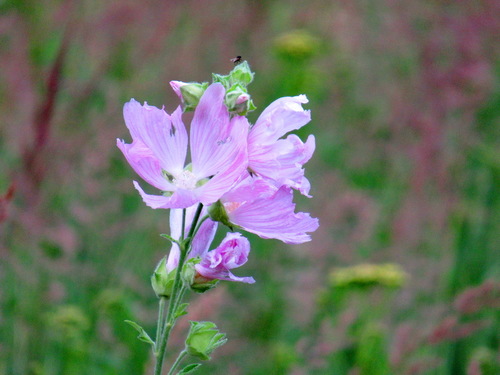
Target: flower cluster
243,175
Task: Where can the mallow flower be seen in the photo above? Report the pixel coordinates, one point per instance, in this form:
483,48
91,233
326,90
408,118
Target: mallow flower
259,207
159,147
214,264
281,160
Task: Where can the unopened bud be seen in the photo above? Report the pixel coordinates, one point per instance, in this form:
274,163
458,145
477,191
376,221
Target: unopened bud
162,280
203,338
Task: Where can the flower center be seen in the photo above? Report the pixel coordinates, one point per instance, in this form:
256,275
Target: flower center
185,180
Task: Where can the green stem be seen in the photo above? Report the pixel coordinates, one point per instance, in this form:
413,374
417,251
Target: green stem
180,357
161,314
169,320
177,293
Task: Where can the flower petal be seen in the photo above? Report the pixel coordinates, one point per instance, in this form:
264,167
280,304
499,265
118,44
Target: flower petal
230,161
179,199
231,253
145,164
275,218
280,117
165,137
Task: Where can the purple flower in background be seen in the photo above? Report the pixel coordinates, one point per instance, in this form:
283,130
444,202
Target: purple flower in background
231,253
281,160
259,207
159,147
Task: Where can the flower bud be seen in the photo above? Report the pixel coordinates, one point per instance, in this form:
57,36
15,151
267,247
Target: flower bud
194,279
162,280
203,338
238,100
242,74
218,213
189,93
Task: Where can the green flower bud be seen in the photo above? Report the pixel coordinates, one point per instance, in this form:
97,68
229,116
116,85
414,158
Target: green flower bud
196,282
203,338
241,74
191,94
238,100
162,280
218,213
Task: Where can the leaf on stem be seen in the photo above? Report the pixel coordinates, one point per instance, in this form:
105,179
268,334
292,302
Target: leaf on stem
143,336
181,310
189,368
171,239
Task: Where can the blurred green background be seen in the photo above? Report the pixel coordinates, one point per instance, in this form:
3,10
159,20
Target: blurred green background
402,276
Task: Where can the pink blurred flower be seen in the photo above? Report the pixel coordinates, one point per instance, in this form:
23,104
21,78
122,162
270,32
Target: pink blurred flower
159,147
281,160
261,208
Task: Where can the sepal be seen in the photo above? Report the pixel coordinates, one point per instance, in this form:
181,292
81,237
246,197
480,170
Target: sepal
203,338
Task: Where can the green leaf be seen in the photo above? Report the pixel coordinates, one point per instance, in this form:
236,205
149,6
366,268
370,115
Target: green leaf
189,368
181,310
171,239
143,336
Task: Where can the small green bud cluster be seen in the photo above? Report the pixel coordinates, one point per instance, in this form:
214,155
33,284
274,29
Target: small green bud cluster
237,99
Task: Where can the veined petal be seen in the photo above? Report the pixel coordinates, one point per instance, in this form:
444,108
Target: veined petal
280,117
167,139
249,189
214,144
145,164
179,199
275,218
282,162
230,162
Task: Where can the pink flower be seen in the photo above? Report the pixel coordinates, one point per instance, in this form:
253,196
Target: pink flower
159,147
281,160
215,264
259,207
231,253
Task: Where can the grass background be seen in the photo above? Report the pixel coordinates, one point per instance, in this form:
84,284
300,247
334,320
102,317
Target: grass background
405,105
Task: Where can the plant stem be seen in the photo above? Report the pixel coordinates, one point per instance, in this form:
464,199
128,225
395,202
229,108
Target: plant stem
170,320
177,293
177,361
159,326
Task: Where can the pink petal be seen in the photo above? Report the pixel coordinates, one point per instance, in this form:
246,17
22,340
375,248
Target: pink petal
280,117
145,164
167,139
249,189
229,160
216,141
275,218
231,253
179,199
